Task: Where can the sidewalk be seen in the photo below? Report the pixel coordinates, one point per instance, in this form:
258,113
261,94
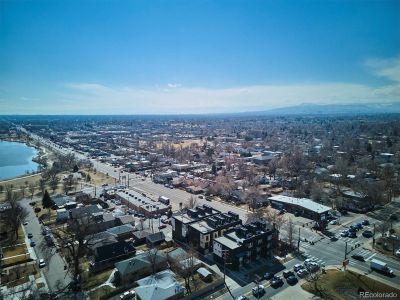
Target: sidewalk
294,292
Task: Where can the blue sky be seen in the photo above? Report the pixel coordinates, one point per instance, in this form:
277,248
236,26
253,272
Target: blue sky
195,56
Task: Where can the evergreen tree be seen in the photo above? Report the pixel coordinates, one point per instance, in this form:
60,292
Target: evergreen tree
47,202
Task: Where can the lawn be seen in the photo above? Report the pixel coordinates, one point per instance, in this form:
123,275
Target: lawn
100,292
14,250
339,285
17,273
16,260
10,239
91,280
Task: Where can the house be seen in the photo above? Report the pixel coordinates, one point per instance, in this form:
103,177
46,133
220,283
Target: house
182,259
141,265
79,212
160,286
60,200
122,231
126,219
139,237
62,215
107,252
155,239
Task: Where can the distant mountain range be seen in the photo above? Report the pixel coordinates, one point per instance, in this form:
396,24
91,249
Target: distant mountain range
331,109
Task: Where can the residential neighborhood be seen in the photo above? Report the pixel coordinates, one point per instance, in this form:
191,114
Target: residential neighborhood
200,210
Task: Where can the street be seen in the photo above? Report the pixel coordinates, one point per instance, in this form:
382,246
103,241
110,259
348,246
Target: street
54,272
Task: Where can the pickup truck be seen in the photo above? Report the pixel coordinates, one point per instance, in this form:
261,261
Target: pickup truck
381,267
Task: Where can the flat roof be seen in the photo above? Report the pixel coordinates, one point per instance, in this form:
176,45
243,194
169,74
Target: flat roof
227,242
139,200
302,202
202,226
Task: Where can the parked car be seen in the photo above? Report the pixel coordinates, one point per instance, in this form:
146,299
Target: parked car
268,276
33,244
344,233
276,281
242,298
367,233
258,290
397,253
358,257
30,235
359,226
201,197
352,235
128,295
162,226
298,267
291,280
333,222
365,222
42,263
302,273
333,238
287,273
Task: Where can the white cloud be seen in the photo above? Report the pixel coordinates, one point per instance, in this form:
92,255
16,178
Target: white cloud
206,100
387,68
174,85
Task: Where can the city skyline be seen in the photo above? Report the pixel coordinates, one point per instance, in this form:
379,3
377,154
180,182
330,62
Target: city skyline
177,57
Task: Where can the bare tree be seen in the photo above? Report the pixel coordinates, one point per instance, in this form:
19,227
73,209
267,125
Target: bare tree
314,278
388,176
273,167
22,189
153,258
290,233
273,216
192,202
76,238
31,188
42,184
16,214
54,183
185,265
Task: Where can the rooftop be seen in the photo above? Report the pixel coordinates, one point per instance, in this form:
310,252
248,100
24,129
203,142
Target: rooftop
303,202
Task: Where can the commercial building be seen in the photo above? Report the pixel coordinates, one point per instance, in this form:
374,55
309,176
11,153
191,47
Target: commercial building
245,244
201,225
141,203
303,206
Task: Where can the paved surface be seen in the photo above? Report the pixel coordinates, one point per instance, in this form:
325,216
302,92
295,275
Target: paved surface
54,272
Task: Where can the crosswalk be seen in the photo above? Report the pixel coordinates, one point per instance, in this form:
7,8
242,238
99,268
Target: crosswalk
316,259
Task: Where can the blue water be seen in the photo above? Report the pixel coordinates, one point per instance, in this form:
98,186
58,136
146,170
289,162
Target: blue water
16,159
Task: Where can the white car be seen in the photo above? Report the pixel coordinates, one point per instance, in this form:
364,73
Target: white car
397,252
128,295
258,290
42,263
333,222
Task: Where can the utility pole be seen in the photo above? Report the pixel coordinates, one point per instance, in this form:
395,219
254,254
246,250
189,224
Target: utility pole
298,242
225,254
373,238
345,252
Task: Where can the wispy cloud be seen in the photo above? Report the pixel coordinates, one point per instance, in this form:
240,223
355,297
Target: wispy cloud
99,98
387,68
